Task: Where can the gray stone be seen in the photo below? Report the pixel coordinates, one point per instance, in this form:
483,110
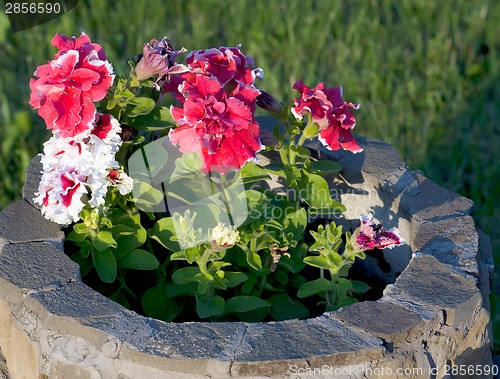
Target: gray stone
395,325
200,340
21,222
434,202
32,179
486,267
269,349
453,241
428,282
36,266
78,301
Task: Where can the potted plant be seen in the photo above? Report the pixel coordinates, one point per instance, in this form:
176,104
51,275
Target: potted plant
167,211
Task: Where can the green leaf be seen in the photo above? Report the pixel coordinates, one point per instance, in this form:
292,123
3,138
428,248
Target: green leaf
105,264
159,118
252,173
129,242
301,151
207,307
103,240
163,231
157,304
146,196
74,236
234,278
174,289
244,304
277,168
80,228
315,192
318,261
140,106
294,263
187,166
253,259
185,275
249,283
314,287
325,166
139,259
189,255
295,222
284,308
359,287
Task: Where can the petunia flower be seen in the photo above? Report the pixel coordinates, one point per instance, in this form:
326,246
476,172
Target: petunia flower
120,179
75,171
226,64
220,127
223,237
370,235
68,86
330,113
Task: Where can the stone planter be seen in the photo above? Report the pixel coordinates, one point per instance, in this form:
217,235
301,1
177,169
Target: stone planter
433,313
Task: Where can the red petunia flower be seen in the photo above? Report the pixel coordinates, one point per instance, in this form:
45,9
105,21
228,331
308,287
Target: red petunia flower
330,113
68,85
220,127
372,236
226,64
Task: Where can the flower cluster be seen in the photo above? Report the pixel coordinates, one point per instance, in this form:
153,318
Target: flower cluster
79,159
218,103
330,114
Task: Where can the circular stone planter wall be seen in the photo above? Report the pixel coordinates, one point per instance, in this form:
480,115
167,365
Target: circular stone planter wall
435,313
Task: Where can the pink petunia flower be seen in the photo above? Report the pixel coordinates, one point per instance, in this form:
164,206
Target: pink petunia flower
220,127
330,113
372,236
68,86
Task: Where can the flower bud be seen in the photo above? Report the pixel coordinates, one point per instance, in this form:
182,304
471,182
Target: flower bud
269,103
224,237
157,59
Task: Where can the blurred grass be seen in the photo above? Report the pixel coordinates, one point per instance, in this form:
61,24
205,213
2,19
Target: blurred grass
426,74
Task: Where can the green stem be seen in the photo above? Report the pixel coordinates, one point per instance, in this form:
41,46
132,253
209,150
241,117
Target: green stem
202,263
124,286
327,294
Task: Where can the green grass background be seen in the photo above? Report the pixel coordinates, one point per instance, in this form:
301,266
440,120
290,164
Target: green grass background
426,74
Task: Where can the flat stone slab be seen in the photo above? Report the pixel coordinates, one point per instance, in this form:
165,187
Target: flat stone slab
396,323
36,266
21,222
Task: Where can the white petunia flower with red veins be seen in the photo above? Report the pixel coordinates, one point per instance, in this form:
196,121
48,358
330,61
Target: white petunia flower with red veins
75,171
60,194
120,179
